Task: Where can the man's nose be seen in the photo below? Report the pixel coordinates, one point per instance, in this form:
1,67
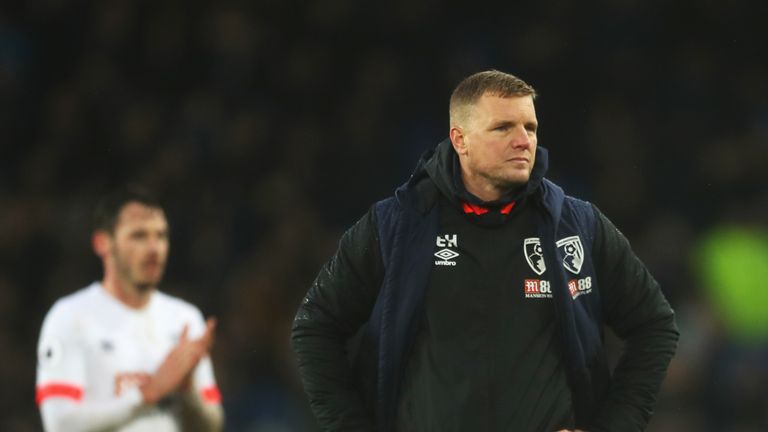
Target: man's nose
522,138
155,243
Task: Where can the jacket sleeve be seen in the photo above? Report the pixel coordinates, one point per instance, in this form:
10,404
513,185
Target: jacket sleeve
339,301
635,308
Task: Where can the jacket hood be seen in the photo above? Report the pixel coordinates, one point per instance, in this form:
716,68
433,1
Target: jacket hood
442,166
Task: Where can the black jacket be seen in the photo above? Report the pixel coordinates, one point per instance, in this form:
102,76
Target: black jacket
346,296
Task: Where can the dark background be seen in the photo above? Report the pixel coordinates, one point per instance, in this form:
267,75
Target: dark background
268,127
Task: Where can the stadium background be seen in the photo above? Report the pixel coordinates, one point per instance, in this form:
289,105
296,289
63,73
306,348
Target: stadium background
268,127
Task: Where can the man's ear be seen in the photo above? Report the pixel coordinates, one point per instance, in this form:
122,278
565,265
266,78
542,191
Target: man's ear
100,241
457,139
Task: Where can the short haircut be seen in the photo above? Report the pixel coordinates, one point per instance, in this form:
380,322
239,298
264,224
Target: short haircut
109,206
492,82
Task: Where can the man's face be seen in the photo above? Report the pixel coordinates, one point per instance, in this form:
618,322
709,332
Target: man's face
139,245
499,137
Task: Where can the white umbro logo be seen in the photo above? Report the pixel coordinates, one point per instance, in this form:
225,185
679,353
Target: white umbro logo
445,254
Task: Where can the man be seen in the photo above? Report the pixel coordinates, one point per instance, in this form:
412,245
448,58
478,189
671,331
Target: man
475,298
120,355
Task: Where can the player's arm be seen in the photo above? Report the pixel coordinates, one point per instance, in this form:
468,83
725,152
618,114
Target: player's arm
61,381
199,397
636,309
337,304
200,412
61,414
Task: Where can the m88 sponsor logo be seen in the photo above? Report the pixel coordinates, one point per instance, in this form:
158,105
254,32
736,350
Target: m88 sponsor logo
579,287
536,288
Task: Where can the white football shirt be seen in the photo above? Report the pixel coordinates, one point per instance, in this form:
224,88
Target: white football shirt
92,347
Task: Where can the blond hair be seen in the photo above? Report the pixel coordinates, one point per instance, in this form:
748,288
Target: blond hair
491,82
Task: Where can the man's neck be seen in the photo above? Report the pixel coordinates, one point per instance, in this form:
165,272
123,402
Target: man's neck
126,293
481,187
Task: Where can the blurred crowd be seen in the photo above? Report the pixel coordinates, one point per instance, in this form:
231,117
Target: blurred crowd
267,127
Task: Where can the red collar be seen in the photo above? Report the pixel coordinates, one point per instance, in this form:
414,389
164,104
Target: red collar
479,210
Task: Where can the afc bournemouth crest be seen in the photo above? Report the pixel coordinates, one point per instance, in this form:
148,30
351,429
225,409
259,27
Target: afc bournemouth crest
534,255
573,253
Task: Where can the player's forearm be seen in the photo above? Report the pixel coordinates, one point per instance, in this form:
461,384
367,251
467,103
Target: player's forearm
199,416
83,416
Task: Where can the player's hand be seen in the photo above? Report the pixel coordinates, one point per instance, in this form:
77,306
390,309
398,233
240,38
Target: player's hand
205,343
176,370
124,381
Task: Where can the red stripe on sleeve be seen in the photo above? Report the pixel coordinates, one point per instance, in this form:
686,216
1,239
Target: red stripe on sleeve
58,390
211,394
